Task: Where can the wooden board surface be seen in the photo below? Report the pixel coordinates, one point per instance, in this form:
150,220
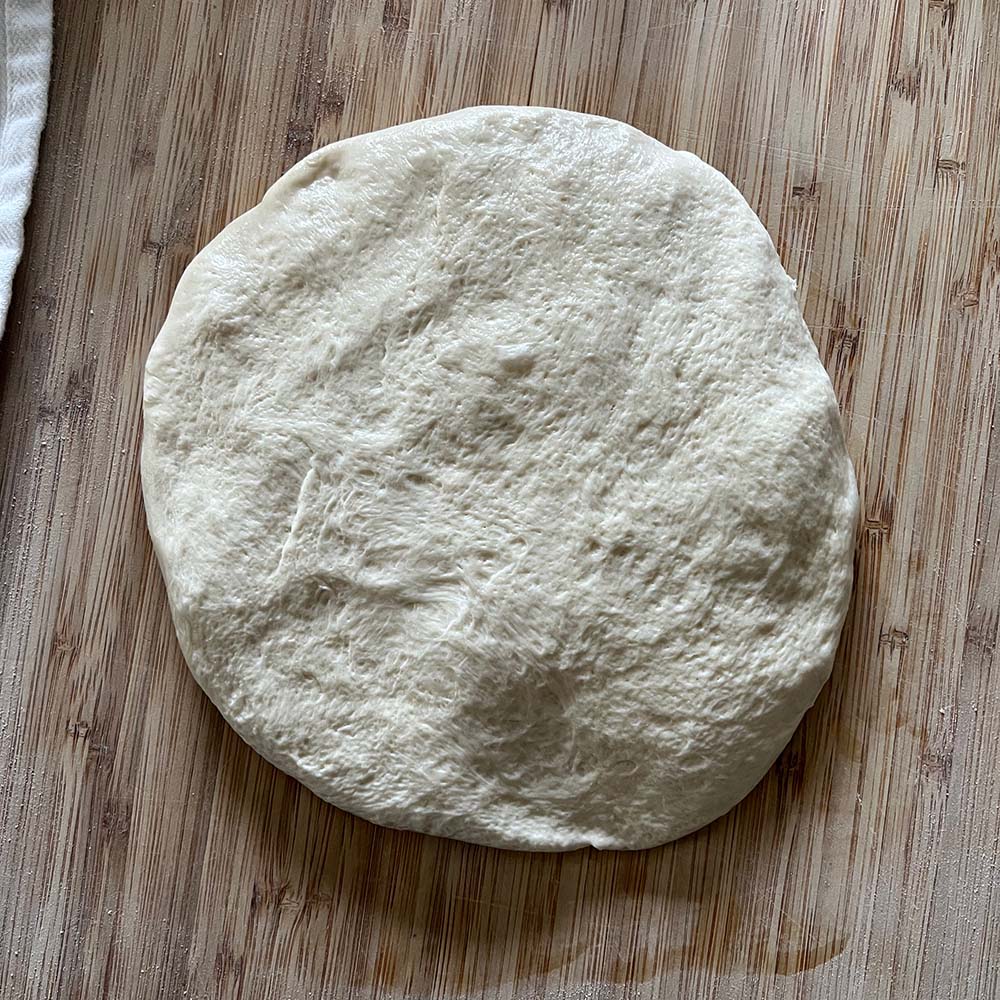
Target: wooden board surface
146,852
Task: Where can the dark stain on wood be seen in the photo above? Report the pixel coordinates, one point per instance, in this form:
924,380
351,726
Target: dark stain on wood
806,194
396,16
905,83
894,638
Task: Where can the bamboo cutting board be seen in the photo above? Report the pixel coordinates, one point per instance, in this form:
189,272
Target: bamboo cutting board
145,852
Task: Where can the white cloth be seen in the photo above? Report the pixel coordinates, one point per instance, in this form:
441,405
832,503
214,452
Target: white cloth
25,53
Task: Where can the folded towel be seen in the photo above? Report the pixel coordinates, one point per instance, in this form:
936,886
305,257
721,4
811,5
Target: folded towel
25,53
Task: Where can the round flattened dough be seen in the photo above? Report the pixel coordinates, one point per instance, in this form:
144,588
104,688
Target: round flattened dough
497,484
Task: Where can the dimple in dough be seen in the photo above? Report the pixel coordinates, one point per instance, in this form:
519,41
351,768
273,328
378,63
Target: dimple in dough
497,484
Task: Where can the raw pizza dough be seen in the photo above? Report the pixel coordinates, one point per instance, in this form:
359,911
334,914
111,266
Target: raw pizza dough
497,484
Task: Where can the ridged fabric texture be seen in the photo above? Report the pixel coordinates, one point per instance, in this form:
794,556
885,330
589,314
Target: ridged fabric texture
25,54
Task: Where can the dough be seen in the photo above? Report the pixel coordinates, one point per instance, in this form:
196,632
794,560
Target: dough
498,487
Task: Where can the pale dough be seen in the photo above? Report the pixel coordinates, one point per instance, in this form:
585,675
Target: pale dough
497,484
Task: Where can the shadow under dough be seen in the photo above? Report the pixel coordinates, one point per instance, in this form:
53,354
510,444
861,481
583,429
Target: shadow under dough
404,913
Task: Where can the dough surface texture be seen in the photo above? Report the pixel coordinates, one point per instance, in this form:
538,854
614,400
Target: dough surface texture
497,484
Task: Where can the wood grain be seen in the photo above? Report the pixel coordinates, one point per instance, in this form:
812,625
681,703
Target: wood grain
146,852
